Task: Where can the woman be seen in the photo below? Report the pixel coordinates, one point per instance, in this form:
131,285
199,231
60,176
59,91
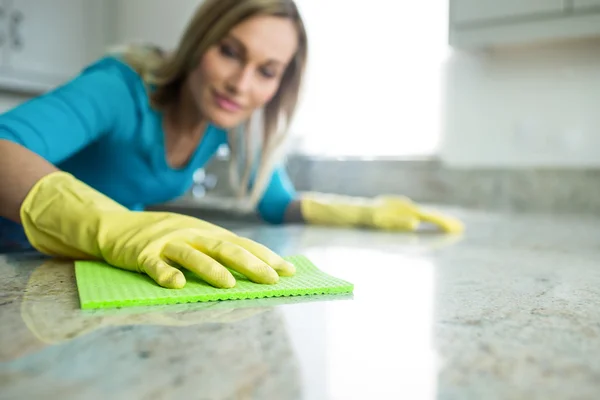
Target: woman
79,164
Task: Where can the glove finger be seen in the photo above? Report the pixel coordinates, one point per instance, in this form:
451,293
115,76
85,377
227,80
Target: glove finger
199,263
164,274
283,267
446,223
238,259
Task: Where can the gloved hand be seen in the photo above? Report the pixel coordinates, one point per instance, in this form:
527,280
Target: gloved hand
62,216
396,213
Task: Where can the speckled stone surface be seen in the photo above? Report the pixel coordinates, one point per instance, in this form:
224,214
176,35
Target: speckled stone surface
509,311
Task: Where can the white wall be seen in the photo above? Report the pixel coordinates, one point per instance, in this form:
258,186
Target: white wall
381,81
10,100
529,106
159,22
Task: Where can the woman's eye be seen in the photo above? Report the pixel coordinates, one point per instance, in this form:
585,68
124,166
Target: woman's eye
267,73
228,51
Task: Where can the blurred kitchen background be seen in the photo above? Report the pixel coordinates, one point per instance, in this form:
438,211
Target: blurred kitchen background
478,103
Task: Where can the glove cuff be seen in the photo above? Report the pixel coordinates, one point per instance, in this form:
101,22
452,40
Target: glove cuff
61,215
336,210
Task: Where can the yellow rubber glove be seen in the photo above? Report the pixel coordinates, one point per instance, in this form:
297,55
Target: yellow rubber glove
62,216
394,213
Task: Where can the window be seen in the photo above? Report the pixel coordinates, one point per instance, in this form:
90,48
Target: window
374,81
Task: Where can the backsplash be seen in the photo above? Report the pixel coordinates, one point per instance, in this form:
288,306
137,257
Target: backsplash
559,190
523,107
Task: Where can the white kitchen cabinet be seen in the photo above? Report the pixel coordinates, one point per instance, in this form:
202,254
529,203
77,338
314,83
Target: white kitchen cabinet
467,11
3,33
48,42
477,24
39,46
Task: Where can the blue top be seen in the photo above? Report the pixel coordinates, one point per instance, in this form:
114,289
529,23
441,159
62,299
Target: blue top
101,128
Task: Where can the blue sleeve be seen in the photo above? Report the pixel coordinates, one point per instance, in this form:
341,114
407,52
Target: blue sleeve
277,197
61,122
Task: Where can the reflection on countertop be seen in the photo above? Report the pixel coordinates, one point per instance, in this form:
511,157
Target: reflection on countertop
508,311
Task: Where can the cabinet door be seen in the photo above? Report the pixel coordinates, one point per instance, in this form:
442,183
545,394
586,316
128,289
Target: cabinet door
465,11
4,4
144,20
46,38
578,4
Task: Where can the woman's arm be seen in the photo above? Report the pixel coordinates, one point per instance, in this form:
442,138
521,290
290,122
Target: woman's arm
280,202
293,213
46,130
20,169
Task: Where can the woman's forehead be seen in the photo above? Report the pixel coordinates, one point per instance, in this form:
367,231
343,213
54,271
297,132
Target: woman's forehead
267,38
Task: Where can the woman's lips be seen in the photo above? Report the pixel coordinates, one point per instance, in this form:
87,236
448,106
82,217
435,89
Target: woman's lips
225,102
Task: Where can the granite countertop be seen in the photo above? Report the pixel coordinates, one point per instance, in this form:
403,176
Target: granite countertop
509,311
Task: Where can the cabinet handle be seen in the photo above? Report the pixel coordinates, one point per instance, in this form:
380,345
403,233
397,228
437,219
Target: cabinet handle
15,22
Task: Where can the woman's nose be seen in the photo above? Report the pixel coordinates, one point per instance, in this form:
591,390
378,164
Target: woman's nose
241,81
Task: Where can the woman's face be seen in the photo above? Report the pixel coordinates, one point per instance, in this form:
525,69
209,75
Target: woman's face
242,72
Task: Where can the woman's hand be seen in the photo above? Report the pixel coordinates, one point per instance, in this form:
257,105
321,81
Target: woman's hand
395,213
398,213
64,217
153,242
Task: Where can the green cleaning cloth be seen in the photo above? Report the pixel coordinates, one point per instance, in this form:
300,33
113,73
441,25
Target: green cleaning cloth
103,286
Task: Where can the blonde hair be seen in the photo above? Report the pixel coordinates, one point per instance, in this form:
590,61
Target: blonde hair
264,134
